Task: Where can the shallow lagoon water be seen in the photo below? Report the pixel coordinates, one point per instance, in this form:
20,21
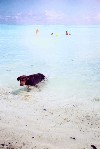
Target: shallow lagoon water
71,63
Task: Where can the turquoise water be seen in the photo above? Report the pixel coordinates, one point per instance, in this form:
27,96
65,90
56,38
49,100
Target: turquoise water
71,63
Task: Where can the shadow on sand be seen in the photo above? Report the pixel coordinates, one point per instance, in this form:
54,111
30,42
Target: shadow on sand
30,89
20,90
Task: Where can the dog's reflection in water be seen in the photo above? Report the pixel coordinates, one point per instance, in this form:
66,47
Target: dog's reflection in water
27,89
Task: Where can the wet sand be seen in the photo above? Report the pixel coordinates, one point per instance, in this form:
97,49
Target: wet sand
30,121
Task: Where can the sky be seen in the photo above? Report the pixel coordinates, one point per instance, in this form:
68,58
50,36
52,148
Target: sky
59,12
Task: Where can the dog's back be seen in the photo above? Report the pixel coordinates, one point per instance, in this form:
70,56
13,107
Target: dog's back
35,79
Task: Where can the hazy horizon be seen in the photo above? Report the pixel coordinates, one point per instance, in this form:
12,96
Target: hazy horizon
54,12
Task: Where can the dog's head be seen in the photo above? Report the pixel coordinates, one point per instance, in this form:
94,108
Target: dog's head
22,80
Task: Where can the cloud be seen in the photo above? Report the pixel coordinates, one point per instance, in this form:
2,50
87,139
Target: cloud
30,13
54,16
98,17
50,17
92,19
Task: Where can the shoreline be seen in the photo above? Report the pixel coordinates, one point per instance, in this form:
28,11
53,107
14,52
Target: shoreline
28,120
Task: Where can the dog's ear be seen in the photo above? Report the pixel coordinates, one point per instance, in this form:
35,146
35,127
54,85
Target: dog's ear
18,78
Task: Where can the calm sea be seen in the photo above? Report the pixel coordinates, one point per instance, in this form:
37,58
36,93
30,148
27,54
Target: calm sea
71,63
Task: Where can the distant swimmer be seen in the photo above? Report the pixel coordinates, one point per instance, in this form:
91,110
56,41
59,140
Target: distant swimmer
67,33
37,31
51,33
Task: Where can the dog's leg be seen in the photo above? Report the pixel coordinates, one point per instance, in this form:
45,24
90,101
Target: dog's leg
28,88
38,87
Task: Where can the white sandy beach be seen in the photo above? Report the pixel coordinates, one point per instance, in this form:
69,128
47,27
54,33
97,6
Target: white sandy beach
28,121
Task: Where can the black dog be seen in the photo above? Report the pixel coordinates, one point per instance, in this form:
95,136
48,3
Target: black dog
31,80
